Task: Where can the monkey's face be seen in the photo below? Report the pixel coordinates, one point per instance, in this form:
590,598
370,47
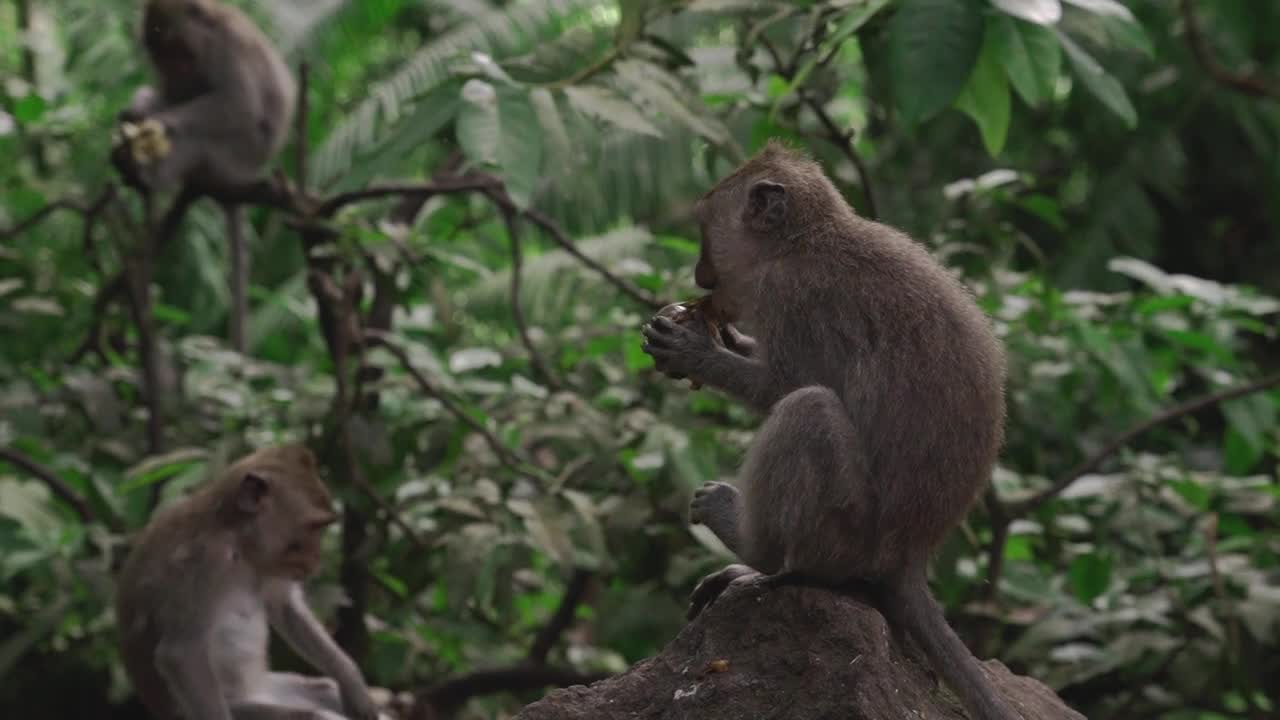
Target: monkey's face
287,511
179,33
741,223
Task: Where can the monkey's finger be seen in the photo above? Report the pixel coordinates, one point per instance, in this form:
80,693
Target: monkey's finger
653,336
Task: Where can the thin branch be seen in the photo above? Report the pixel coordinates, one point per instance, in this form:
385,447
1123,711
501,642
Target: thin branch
442,699
1020,509
459,184
506,455
56,485
300,126
562,618
998,513
539,364
844,141
1253,85
40,215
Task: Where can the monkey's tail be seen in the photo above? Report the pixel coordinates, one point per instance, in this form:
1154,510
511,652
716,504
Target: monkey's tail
909,603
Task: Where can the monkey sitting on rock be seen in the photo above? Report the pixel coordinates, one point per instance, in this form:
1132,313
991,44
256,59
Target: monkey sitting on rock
883,385
209,575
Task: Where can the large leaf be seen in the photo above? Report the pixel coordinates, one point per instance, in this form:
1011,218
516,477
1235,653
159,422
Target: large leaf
933,46
1105,8
986,97
659,89
1031,57
604,104
1043,12
500,128
1099,83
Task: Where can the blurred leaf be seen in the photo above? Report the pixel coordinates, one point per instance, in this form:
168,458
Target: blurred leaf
1090,576
1103,86
604,104
1030,55
986,97
1043,12
933,46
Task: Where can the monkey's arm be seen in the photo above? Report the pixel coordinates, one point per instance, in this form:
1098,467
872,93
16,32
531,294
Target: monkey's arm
293,619
687,349
738,341
185,665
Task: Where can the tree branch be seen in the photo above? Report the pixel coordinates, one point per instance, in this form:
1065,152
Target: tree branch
506,455
1025,507
539,364
442,699
1253,85
57,486
562,618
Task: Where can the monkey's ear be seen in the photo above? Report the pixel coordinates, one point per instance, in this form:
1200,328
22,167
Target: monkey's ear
253,488
766,204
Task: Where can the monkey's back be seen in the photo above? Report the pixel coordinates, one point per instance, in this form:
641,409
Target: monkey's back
159,571
920,371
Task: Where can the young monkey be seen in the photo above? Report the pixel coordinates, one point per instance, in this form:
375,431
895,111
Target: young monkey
205,579
884,388
221,109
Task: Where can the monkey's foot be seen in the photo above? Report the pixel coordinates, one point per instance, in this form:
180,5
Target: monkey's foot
711,587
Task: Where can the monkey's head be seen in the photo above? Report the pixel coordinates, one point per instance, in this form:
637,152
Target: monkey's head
280,510
768,208
177,33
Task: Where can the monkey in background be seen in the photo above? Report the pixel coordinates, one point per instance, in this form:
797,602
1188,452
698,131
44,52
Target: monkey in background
883,385
208,576
220,111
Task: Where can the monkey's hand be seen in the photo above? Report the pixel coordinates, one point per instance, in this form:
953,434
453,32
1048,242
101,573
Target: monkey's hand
679,350
359,704
138,149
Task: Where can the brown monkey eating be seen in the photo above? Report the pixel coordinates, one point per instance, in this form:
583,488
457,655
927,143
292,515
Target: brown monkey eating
221,109
206,579
883,383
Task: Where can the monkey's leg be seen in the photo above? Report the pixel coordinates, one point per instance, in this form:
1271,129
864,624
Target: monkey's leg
804,503
320,693
239,276
258,710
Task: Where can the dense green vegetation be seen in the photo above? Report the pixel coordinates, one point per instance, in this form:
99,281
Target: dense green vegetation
1105,175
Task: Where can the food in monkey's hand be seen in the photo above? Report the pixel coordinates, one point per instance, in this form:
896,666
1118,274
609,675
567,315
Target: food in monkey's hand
699,310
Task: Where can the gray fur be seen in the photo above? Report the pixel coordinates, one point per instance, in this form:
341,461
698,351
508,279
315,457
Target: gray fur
884,388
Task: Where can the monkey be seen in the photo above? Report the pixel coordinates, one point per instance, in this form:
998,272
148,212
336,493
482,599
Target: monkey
206,579
221,109
882,386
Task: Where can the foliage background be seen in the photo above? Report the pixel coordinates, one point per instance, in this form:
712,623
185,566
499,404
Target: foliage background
1105,175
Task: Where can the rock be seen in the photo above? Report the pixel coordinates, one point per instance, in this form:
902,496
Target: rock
781,653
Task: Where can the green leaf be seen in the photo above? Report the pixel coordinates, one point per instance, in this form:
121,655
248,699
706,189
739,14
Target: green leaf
520,149
1031,56
1043,12
29,109
479,127
933,45
500,129
1105,8
1097,81
1090,575
986,97
605,104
